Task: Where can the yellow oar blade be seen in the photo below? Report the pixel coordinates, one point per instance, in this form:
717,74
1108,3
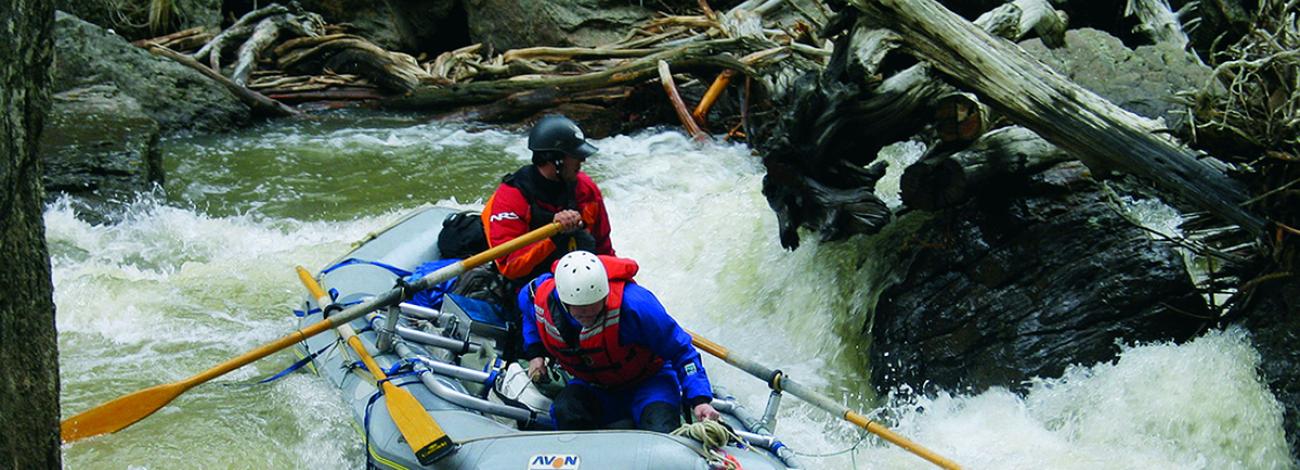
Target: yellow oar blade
426,438
422,433
121,412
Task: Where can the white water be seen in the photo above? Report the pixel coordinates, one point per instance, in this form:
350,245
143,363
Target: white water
172,290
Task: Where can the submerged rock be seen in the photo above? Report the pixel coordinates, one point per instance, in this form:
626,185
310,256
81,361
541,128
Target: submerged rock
173,95
1024,282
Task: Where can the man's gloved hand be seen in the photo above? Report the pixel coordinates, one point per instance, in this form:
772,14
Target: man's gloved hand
537,371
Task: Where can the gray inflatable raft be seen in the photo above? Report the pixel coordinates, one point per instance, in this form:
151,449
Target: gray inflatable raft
447,359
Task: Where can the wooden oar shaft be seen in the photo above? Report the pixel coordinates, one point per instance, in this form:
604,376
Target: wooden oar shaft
261,352
394,296
816,399
124,411
421,432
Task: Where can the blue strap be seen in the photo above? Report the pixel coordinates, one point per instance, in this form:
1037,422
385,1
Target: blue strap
351,261
297,365
301,313
391,378
391,369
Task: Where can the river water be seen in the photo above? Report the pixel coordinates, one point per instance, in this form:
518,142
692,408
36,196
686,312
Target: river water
203,271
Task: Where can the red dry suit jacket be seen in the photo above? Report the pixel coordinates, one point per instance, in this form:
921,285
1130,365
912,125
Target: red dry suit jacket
524,201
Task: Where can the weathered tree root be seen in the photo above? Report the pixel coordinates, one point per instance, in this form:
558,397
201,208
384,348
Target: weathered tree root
392,71
236,33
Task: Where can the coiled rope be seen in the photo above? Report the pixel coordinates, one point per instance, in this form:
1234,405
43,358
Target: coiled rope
714,436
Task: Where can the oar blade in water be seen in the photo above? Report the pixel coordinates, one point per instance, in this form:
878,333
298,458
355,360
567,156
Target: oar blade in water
120,413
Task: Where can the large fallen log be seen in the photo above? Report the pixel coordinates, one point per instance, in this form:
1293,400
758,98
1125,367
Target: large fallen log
945,180
714,54
828,128
523,104
1098,132
897,106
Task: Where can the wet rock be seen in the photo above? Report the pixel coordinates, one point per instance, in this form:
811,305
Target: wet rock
98,144
510,24
131,19
174,96
1270,315
1021,283
1144,81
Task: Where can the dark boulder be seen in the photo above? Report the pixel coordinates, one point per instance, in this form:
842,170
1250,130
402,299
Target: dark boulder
99,144
1024,281
1145,81
511,24
1270,314
414,26
175,96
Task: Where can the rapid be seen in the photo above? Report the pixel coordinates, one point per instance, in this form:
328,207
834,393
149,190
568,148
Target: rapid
203,270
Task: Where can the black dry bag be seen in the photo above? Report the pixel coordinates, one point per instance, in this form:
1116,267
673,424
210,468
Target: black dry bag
462,236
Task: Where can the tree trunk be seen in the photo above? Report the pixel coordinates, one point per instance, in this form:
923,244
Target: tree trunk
945,180
29,380
1077,120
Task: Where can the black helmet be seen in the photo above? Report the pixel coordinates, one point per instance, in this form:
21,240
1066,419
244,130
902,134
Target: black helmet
556,133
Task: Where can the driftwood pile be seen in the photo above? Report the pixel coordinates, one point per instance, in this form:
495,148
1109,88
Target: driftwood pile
293,56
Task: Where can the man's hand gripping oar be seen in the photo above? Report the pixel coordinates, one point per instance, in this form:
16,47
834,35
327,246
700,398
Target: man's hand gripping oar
127,409
780,382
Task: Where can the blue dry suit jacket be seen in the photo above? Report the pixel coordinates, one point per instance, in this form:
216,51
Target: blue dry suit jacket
645,322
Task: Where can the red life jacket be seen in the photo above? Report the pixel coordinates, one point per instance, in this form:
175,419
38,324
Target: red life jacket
598,357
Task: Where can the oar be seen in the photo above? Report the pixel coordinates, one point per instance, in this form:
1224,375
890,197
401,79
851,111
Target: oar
816,399
126,410
426,438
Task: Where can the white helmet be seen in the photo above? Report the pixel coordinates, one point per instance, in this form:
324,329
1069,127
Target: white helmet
580,279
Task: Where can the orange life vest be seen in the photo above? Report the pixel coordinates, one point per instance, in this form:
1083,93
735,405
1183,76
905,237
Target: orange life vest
598,357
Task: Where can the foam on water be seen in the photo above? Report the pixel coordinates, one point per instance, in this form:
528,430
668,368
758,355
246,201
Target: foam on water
180,285
1191,406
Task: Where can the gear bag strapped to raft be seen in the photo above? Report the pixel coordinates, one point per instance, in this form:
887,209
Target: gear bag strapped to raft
462,235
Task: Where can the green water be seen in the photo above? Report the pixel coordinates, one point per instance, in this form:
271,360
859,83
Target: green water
204,272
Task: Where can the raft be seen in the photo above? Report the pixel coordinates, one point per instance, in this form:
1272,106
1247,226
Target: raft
448,359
